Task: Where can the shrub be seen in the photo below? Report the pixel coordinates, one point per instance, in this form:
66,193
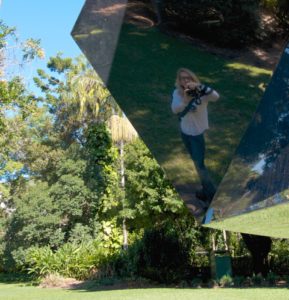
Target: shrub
196,282
163,257
257,279
226,281
238,281
279,257
272,278
71,260
225,22
125,263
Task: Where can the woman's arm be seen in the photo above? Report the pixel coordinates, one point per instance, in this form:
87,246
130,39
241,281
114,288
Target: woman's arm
178,105
210,94
213,96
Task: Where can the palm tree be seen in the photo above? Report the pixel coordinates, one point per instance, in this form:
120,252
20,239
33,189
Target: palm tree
122,132
93,99
90,93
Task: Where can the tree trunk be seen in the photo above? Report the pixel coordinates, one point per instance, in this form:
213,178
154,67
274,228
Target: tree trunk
259,247
124,229
225,240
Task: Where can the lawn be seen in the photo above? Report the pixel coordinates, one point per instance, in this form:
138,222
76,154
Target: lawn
18,292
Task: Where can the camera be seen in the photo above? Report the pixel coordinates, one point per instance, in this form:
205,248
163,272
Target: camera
194,92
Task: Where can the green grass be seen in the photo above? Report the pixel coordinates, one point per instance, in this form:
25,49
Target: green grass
272,221
17,292
142,81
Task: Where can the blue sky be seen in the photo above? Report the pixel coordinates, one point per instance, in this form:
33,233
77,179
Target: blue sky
48,20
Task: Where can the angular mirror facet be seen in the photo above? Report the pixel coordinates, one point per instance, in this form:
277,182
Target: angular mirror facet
258,177
138,62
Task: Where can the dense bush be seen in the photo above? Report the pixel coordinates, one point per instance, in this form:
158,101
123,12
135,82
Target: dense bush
279,257
225,22
242,266
163,256
70,260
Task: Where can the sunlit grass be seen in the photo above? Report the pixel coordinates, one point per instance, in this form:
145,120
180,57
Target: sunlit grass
16,292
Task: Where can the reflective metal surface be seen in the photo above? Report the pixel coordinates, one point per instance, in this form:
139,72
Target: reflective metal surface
258,176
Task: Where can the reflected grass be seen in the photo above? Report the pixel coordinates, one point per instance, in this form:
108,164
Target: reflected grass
142,79
272,221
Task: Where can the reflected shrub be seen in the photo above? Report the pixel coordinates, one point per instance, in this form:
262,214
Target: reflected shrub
225,22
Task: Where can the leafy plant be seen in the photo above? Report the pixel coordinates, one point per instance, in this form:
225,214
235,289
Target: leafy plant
226,281
272,278
238,281
71,260
257,279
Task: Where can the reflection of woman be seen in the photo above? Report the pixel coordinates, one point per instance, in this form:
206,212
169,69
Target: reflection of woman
190,101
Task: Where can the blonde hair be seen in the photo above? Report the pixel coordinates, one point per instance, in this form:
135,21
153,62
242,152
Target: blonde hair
178,80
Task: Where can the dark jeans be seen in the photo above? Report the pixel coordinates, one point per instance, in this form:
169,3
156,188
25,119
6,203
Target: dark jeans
196,147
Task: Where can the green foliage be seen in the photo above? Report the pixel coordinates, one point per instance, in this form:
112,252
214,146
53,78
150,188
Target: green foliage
257,279
35,221
150,197
125,263
226,23
279,257
80,234
164,255
31,49
5,32
59,64
226,281
102,163
109,233
71,260
272,278
237,245
21,51
238,281
35,204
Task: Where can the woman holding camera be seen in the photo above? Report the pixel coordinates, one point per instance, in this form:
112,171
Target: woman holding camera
190,101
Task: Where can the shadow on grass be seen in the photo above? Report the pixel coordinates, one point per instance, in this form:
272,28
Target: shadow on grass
117,284
13,278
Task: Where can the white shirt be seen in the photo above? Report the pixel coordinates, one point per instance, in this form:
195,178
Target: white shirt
194,122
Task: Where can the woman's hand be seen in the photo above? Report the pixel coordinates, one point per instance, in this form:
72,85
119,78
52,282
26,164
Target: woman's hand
190,86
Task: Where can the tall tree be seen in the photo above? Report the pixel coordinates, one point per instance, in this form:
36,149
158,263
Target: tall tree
122,132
